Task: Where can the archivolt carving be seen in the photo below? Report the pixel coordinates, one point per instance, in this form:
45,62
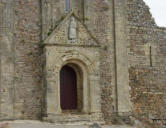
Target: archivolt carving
75,55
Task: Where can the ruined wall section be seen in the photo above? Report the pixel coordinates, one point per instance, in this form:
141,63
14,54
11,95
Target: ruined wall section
139,14
146,56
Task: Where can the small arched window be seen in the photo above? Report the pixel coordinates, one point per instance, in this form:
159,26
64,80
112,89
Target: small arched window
67,5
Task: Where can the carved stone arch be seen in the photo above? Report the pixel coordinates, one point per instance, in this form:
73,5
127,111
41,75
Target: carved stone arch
85,62
82,53
79,58
87,68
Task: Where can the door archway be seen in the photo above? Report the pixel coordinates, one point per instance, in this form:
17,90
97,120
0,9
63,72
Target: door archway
68,88
88,85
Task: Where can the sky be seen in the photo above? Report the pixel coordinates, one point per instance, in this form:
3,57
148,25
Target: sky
158,10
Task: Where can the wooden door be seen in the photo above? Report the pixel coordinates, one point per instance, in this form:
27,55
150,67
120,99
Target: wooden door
68,88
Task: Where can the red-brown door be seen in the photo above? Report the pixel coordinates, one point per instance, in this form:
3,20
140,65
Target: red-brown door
68,88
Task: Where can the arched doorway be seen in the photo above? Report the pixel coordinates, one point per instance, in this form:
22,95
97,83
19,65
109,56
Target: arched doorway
87,94
68,88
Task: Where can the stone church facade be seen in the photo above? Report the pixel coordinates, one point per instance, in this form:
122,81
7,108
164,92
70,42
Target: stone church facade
82,60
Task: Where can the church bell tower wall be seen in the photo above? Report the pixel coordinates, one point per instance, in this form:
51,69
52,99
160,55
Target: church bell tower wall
130,63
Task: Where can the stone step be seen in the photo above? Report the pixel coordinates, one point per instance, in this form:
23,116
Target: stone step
38,124
74,119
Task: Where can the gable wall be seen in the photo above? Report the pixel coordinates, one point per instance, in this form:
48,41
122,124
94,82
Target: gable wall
53,12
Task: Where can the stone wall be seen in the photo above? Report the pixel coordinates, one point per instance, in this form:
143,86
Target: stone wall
20,60
146,56
28,67
23,26
100,22
7,59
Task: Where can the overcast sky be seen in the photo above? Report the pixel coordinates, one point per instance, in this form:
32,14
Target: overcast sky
158,10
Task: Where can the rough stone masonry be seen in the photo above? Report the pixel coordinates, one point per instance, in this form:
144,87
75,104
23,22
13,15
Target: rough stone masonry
117,52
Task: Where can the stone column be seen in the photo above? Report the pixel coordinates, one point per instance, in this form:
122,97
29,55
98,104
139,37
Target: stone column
53,87
95,95
86,102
